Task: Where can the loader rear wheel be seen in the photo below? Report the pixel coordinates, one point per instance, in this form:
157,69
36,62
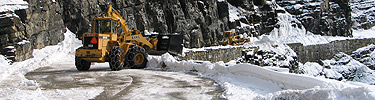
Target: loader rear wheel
116,56
136,57
82,65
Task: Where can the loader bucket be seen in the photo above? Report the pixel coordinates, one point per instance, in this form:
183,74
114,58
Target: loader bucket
172,44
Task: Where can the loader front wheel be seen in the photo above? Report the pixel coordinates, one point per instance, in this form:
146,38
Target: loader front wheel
136,57
82,65
116,56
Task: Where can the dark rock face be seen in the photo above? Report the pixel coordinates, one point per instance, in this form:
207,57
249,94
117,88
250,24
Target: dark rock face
365,56
202,22
198,21
44,24
259,15
12,31
323,17
365,16
270,58
36,27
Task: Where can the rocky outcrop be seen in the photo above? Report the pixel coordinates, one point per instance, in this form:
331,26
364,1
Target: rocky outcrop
199,21
270,58
44,24
366,56
363,13
12,32
323,17
202,22
37,26
341,67
256,17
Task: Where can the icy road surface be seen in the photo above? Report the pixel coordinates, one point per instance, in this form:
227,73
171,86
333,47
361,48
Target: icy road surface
124,84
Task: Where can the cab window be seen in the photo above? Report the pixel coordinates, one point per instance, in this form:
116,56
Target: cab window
226,35
114,28
103,26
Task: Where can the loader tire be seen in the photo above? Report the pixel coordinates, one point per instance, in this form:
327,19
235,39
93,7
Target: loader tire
136,57
116,58
82,65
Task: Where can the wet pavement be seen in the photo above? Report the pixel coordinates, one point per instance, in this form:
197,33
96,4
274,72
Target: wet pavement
133,84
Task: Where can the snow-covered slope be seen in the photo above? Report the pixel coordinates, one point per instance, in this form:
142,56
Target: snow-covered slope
246,81
14,85
363,13
345,67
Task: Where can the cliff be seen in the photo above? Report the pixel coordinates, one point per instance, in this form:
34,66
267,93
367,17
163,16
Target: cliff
202,22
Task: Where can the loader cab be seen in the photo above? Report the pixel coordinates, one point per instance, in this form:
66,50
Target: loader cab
229,34
105,25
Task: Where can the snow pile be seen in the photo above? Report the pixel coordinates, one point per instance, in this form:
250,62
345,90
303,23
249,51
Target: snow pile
246,81
271,54
366,55
361,33
12,5
44,56
343,67
13,82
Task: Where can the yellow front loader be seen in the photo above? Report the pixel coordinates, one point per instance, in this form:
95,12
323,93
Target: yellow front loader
111,41
232,38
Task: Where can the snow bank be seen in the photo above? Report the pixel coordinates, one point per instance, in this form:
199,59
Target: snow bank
246,81
64,51
12,5
45,56
360,34
353,67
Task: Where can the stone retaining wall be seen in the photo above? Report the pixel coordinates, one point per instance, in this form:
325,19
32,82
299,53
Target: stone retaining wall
314,53
215,55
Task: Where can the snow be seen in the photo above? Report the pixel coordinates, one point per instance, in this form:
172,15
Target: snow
12,5
23,42
220,0
287,33
146,32
312,69
246,81
234,13
342,67
370,33
14,85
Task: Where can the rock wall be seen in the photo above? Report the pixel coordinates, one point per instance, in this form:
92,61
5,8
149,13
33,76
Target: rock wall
315,53
257,17
364,15
215,55
323,17
202,22
37,26
197,20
